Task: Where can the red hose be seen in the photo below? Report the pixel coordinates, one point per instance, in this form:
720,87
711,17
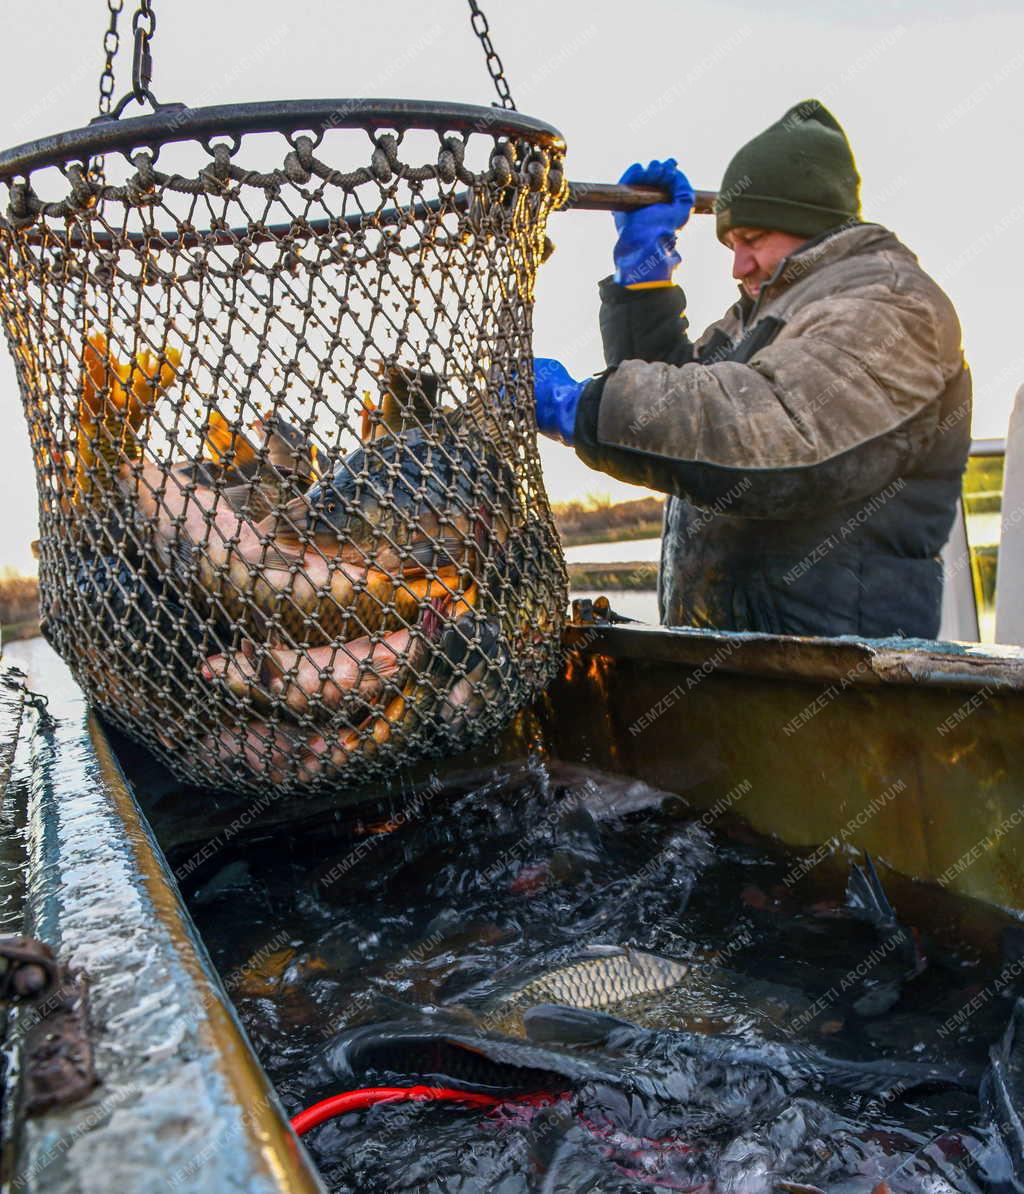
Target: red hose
357,1100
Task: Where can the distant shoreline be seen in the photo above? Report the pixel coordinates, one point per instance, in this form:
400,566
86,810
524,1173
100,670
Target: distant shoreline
627,575
580,523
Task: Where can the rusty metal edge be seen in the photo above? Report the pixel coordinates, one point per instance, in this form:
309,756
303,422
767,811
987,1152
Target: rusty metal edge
145,1084
856,661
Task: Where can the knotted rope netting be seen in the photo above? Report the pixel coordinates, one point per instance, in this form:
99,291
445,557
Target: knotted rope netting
292,523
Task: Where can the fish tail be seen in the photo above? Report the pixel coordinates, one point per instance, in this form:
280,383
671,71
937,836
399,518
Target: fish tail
151,377
999,1098
225,443
96,374
102,417
573,1027
864,891
892,1077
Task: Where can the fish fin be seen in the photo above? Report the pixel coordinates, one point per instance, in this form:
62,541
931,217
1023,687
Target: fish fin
865,893
458,1013
151,377
287,448
248,499
182,553
597,949
435,554
270,673
1001,1097
574,1027
96,374
467,647
225,444
381,1005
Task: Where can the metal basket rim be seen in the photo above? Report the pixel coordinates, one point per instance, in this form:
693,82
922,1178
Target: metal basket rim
176,123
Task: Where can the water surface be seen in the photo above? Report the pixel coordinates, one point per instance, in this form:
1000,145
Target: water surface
465,894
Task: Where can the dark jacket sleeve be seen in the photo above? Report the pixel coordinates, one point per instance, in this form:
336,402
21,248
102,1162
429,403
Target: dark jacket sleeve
644,325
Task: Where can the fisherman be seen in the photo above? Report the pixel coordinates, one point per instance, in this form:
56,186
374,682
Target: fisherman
812,441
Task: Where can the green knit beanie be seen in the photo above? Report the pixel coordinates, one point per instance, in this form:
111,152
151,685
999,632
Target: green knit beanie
797,176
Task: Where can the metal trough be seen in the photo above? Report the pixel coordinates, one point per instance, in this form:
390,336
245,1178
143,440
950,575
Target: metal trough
908,749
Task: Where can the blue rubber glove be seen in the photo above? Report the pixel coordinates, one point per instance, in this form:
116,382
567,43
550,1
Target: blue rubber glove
646,248
556,396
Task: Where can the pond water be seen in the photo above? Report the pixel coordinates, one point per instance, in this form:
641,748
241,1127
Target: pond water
772,1033
639,604
628,550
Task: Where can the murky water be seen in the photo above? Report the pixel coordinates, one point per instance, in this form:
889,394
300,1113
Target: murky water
752,1072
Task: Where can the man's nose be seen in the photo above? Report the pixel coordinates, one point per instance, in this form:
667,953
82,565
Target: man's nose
743,263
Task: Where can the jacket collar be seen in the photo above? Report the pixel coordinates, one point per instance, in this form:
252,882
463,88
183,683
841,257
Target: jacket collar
845,241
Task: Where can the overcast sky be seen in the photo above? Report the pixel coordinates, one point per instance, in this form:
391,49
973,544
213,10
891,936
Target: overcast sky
931,93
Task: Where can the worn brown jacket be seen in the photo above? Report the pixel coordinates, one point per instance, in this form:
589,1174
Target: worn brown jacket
813,441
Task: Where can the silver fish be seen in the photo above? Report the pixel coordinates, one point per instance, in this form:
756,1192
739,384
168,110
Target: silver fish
606,975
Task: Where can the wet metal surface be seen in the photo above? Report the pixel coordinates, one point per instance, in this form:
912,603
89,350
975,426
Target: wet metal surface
912,751
180,1103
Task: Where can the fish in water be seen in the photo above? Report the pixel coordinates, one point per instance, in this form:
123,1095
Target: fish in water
799,1065
1002,1096
864,927
867,900
604,976
658,1081
636,1105
608,797
453,1055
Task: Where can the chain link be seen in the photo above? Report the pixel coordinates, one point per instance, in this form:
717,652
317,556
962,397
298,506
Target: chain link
144,26
480,27
111,44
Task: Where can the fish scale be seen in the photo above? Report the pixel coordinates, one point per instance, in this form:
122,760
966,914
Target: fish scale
605,980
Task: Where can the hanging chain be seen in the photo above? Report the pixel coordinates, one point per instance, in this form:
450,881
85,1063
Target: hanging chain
111,44
483,32
144,25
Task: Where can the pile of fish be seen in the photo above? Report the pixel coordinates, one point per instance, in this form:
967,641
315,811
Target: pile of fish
331,608
654,1006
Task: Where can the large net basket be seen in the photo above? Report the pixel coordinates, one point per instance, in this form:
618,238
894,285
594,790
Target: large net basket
276,365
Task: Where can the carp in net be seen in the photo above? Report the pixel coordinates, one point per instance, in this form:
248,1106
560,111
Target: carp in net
276,366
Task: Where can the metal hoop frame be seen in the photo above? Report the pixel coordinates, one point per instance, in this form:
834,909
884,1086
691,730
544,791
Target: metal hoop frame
176,122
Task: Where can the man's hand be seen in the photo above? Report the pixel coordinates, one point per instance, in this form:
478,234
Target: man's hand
556,396
646,249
